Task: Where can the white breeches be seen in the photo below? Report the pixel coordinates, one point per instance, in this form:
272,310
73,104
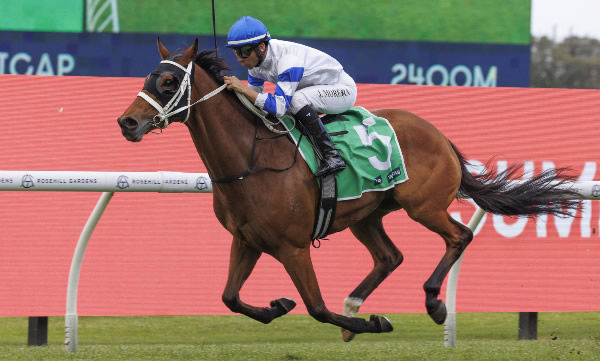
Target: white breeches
326,99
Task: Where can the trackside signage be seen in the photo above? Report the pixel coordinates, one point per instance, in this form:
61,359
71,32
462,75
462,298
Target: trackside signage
368,61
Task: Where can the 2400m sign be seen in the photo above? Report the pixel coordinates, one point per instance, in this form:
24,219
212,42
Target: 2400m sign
438,74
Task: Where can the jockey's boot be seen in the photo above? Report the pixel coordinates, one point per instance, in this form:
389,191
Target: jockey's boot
332,162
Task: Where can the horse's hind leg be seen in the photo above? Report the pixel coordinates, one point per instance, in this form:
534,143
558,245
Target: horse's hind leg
299,266
386,258
241,263
457,236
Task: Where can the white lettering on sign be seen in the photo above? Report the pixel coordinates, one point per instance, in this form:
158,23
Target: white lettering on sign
24,63
438,74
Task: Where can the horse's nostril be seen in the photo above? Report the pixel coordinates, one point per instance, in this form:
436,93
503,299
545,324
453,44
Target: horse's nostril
128,122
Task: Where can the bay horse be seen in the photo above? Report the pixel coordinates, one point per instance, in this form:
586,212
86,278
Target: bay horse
269,210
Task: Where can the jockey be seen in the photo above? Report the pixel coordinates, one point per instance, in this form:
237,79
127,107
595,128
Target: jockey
308,83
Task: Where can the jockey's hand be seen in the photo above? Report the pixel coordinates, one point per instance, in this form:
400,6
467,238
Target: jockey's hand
233,83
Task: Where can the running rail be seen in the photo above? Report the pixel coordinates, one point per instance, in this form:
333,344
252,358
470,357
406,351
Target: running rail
162,182
176,182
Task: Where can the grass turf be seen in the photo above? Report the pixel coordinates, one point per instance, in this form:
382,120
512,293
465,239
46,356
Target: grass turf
481,336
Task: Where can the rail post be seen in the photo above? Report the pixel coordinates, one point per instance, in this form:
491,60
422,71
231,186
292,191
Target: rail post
450,324
71,320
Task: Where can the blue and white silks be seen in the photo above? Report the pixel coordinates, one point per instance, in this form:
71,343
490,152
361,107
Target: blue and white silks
293,67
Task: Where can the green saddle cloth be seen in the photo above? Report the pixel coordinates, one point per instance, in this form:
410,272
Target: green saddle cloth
368,144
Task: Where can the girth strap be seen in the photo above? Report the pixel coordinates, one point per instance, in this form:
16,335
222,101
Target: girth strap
327,206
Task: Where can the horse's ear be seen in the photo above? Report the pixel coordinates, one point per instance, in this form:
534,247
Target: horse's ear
191,52
164,53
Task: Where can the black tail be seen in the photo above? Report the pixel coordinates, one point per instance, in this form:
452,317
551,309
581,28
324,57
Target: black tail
547,193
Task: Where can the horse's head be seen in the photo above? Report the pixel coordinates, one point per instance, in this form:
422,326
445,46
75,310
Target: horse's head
165,97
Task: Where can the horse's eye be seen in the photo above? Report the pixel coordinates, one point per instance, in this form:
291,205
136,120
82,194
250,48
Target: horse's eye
169,85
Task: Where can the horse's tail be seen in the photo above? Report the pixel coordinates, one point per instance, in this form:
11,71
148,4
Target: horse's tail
547,193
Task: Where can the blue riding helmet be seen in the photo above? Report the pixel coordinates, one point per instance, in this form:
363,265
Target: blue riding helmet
247,30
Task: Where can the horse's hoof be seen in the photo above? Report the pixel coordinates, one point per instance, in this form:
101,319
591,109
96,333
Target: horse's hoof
438,315
347,336
283,305
382,324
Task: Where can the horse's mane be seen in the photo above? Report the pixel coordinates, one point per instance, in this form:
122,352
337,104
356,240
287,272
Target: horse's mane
214,66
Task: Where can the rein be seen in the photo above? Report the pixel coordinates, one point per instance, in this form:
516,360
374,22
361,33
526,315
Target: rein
269,124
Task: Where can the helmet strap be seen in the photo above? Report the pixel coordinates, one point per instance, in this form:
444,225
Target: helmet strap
261,54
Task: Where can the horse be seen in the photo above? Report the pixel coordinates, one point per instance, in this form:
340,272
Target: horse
271,208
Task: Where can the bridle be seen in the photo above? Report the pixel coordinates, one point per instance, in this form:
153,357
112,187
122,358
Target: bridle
175,102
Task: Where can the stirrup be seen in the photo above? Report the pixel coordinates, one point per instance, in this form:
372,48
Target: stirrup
326,168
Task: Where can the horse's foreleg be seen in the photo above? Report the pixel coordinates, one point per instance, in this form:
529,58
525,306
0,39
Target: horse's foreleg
241,263
457,236
299,266
386,258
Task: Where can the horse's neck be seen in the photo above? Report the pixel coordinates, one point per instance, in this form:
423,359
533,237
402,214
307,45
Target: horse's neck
222,133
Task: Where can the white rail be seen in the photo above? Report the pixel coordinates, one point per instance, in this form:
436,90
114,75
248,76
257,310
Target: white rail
162,182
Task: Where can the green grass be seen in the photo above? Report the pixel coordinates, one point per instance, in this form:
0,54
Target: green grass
481,336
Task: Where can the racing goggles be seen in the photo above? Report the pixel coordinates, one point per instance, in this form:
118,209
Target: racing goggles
244,51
